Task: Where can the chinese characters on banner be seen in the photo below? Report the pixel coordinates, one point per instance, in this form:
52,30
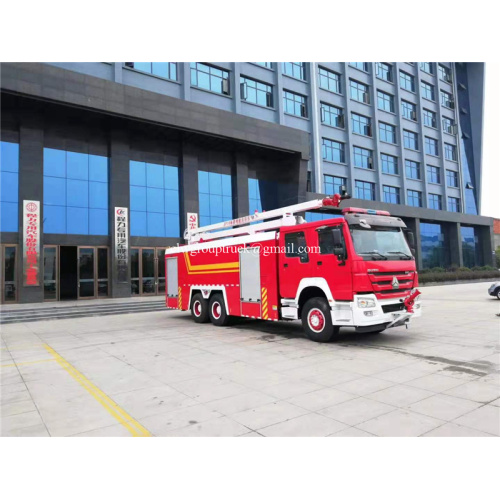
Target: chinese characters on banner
31,238
192,220
121,243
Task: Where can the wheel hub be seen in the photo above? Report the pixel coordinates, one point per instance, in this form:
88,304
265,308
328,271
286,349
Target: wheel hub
197,308
316,320
216,310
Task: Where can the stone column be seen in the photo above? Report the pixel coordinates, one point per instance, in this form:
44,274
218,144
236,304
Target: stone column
241,205
188,189
455,244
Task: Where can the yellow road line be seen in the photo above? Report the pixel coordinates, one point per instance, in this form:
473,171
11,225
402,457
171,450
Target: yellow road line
27,363
134,427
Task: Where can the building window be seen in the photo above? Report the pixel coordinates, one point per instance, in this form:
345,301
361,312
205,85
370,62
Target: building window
427,91
359,91
215,195
295,104
256,92
384,71
331,115
435,201
75,193
429,118
333,151
444,73
333,184
428,67
433,245
406,81
295,69
389,164
470,246
363,66
412,169
261,196
210,78
433,174
414,198
365,190
447,100
363,158
9,187
409,110
387,132
329,80
154,200
391,194
452,178
268,65
410,140
450,152
431,146
385,101
448,125
163,69
361,124
453,204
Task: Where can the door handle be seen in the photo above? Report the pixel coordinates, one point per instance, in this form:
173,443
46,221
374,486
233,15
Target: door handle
320,263
285,265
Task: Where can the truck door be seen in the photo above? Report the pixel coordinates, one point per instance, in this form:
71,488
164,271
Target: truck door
336,269
294,262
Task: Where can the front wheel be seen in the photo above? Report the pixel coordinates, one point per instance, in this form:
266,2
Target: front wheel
317,320
498,293
217,310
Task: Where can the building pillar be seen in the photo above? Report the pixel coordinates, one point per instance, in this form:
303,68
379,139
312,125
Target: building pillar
241,206
119,196
30,188
188,189
455,244
487,244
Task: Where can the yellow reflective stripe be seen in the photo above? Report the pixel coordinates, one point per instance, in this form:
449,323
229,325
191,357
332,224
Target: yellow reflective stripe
225,267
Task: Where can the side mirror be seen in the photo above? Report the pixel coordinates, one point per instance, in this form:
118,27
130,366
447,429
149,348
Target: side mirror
337,237
411,239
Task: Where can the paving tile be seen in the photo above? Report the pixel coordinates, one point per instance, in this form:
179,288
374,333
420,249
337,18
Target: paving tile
162,423
401,375
117,430
217,427
400,423
19,421
400,395
251,434
310,425
240,402
443,407
38,430
269,414
290,389
453,430
485,419
323,398
15,408
356,411
352,432
435,382
364,385
481,392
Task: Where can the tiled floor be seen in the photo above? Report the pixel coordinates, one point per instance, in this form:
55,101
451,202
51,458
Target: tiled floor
171,377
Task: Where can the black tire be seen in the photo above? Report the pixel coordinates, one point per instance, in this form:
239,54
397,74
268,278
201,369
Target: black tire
317,320
217,310
497,293
199,309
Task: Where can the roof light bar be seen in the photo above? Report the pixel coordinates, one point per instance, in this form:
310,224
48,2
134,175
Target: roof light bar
354,210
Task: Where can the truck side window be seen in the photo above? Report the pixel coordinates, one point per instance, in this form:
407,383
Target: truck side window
296,246
326,240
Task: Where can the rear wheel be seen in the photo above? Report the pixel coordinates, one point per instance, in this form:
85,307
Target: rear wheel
317,320
217,310
199,308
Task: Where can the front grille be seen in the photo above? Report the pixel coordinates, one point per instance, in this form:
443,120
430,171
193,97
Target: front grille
401,282
400,290
393,307
390,273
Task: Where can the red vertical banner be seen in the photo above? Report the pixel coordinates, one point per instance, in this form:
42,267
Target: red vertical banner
31,243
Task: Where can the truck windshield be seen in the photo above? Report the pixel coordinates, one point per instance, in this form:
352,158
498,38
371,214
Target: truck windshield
380,243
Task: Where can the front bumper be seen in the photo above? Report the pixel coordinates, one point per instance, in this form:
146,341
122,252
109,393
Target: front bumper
349,314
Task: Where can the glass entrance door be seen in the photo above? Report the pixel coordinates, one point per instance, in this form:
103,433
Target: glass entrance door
147,267
50,273
9,273
86,273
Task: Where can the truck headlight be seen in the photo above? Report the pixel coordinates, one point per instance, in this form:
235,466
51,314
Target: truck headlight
364,303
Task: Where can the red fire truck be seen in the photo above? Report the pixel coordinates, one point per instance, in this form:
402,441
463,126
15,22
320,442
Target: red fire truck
355,269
